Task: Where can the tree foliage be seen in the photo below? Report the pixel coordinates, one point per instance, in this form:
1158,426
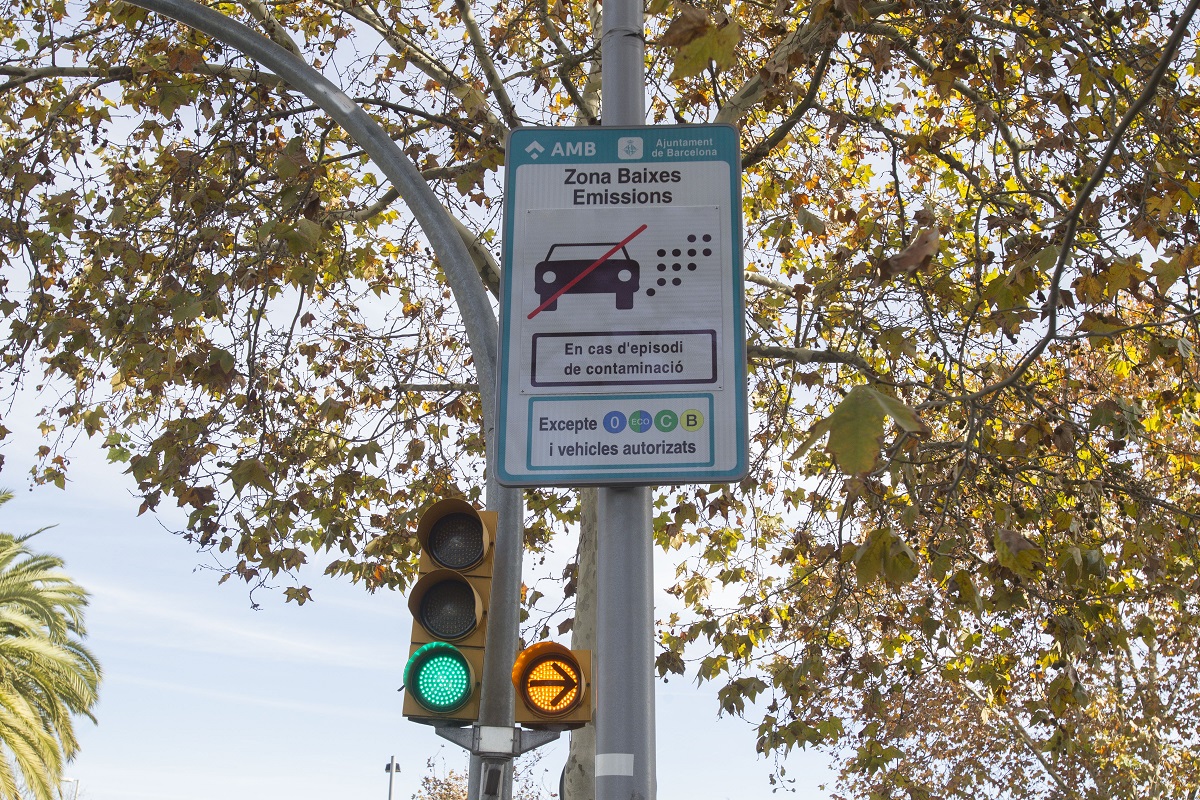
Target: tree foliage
966,555
439,783
47,676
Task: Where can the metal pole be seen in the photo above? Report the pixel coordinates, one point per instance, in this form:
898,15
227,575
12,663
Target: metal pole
475,308
623,64
625,757
497,702
391,776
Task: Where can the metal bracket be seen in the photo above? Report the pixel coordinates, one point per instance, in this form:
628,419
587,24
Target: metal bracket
488,741
531,740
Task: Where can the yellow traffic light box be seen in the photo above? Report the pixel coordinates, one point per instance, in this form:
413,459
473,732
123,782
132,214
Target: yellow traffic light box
449,607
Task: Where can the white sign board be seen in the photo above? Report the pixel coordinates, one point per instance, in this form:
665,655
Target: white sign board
622,337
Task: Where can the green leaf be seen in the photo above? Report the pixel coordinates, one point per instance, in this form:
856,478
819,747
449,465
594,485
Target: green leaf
473,101
1017,553
855,428
716,46
869,557
301,237
310,231
298,594
223,360
1168,271
884,554
250,472
900,562
810,222
292,160
962,587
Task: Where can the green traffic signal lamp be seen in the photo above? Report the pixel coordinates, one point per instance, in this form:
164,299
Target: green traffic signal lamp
439,677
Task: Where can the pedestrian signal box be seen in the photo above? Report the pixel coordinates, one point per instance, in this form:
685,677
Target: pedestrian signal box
449,607
553,686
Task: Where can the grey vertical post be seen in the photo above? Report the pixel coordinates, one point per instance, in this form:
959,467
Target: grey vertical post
496,699
625,758
623,64
580,773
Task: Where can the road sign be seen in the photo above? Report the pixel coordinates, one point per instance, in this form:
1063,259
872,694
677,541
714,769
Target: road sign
622,334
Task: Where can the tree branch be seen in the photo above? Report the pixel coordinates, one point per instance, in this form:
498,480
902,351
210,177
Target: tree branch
808,38
416,55
904,43
19,76
485,262
804,355
770,283
1071,222
364,213
1017,728
495,84
760,150
436,387
587,110
276,32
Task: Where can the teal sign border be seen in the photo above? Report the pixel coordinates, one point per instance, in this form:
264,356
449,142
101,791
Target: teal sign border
573,144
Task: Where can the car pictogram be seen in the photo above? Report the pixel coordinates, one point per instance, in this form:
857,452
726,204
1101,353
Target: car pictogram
565,263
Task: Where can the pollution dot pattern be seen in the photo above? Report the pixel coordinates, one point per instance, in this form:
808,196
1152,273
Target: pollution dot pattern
674,263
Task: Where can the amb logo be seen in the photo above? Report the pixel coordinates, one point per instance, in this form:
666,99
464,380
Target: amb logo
573,149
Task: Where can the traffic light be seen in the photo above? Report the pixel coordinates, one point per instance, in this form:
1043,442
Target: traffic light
553,686
449,607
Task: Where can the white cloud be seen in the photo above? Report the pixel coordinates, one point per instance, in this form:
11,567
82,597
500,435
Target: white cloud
158,620
243,700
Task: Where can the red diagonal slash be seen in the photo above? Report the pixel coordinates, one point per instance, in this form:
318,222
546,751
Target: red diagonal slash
586,272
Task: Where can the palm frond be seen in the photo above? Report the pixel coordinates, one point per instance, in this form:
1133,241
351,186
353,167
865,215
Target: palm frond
47,675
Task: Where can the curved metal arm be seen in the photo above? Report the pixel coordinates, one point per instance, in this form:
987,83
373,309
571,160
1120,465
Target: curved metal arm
496,696
431,215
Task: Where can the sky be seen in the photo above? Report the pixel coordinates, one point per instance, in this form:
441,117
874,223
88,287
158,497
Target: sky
204,697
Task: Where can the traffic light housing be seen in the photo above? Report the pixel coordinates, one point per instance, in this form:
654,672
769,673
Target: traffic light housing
449,605
553,687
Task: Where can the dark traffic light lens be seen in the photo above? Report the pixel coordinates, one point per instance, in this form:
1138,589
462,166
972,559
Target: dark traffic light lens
448,609
456,541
